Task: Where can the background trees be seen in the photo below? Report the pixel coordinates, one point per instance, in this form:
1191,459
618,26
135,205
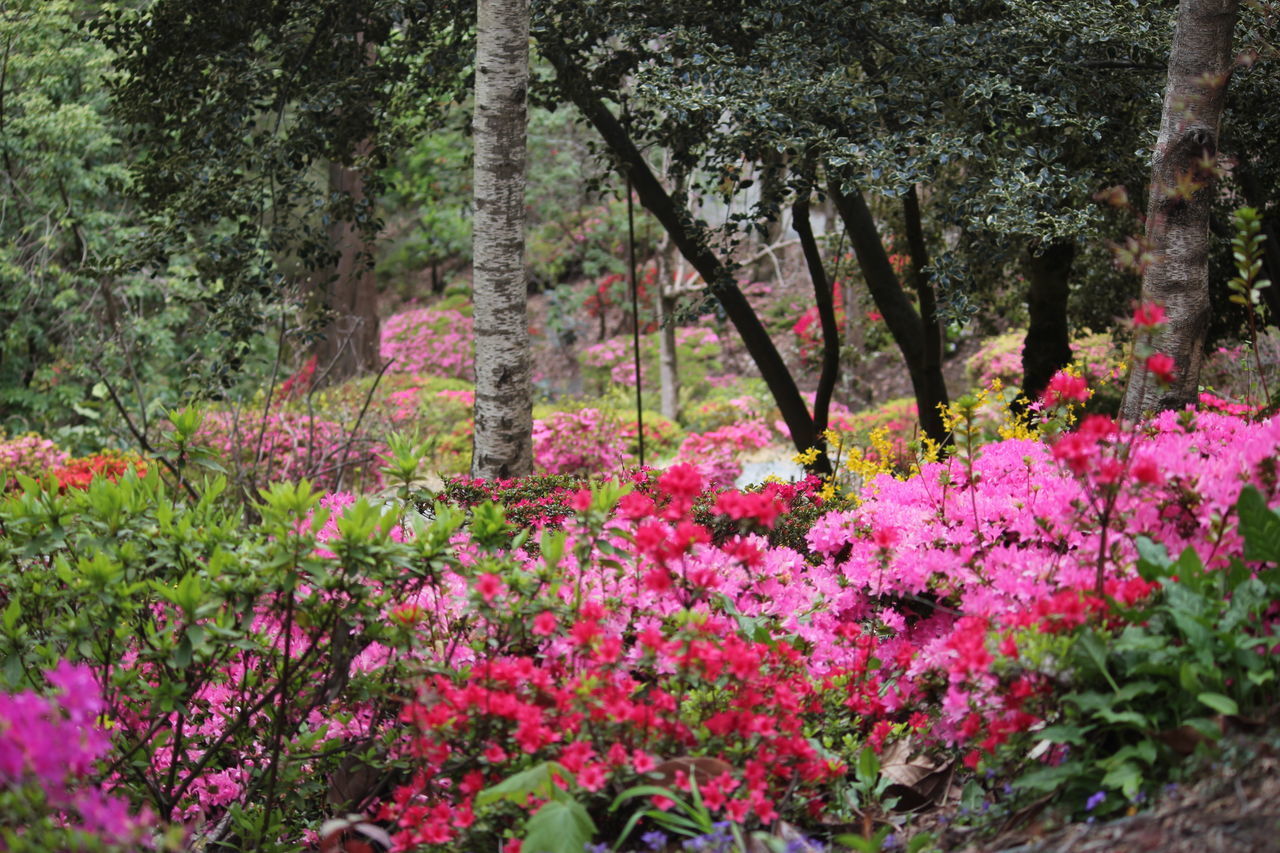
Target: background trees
259,131
62,170
941,152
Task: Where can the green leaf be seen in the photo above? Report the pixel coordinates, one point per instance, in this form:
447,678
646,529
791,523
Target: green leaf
1259,525
870,845
12,614
536,781
1063,734
1218,702
1126,776
1132,718
560,826
1153,559
552,547
868,766
1046,779
1093,646
920,842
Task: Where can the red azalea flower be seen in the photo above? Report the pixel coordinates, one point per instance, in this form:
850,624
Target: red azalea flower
490,586
1063,387
1146,471
1147,315
544,624
682,482
1161,366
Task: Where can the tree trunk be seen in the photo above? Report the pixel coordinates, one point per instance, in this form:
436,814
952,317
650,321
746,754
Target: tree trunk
668,364
350,344
905,324
692,243
931,328
1047,347
503,408
1182,181
825,303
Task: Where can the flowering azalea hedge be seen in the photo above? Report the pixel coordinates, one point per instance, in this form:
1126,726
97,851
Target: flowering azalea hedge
654,647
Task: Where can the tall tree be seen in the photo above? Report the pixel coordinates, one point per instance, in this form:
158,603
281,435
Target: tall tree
1183,174
504,409
350,343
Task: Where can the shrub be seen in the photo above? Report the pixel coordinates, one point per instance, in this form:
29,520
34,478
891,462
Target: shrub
439,410
1000,358
486,676
610,362
245,670
433,340
284,445
586,439
29,455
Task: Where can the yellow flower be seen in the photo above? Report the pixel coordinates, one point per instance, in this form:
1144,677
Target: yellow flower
806,457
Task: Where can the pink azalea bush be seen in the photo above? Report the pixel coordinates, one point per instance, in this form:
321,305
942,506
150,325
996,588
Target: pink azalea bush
286,445
431,340
1000,358
611,361
935,576
53,745
30,455
578,442
717,453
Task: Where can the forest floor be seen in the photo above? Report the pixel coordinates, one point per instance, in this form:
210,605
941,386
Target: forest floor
1232,805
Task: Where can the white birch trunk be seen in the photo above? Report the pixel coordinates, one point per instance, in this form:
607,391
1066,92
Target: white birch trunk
503,409
668,368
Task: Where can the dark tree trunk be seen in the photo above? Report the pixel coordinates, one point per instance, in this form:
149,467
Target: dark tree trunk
1047,348
692,243
931,365
825,301
350,343
905,324
1182,184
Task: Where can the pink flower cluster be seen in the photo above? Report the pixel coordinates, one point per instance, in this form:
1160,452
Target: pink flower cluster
616,354
55,743
287,446
435,341
30,455
1017,538
582,442
1000,358
717,453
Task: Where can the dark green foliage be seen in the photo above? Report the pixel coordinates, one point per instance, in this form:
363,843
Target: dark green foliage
238,107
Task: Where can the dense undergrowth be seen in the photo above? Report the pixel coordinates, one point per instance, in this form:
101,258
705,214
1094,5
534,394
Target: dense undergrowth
643,661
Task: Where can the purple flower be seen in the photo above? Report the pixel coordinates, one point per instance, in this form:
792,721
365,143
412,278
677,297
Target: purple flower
654,840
